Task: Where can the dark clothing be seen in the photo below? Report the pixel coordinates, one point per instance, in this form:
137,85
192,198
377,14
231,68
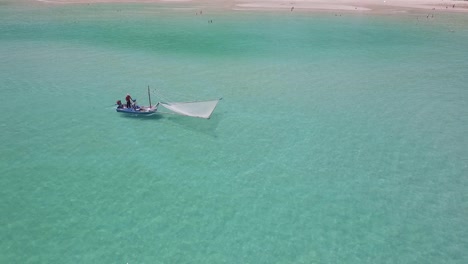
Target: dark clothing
128,98
119,104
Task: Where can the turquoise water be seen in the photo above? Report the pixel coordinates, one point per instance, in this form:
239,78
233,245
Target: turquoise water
339,139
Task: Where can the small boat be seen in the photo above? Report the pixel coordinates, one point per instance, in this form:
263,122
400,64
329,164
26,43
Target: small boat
201,109
136,109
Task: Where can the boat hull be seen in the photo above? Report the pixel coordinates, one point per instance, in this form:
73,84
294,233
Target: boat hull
139,111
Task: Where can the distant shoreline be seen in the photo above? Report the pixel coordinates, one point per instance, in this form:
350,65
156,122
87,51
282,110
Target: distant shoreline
363,6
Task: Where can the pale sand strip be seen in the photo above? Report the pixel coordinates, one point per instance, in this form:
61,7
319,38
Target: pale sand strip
109,1
379,6
357,5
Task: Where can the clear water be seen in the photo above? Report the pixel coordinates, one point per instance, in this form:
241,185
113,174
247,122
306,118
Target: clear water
339,139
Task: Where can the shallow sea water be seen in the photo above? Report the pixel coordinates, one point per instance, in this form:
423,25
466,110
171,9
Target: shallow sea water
338,139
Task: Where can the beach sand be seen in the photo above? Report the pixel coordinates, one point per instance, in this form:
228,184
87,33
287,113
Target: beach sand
370,6
385,6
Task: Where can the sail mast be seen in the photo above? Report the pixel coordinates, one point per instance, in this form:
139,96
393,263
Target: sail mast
149,96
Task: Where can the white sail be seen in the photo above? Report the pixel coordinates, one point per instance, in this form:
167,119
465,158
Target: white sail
202,109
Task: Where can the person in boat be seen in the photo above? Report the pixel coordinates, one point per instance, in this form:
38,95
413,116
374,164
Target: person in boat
129,100
119,104
135,106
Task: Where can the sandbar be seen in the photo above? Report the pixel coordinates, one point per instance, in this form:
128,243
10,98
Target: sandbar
369,6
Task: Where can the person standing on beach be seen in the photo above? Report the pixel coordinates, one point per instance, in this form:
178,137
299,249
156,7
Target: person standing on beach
128,98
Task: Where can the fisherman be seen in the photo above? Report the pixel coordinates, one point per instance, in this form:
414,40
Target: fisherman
129,99
119,104
135,106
